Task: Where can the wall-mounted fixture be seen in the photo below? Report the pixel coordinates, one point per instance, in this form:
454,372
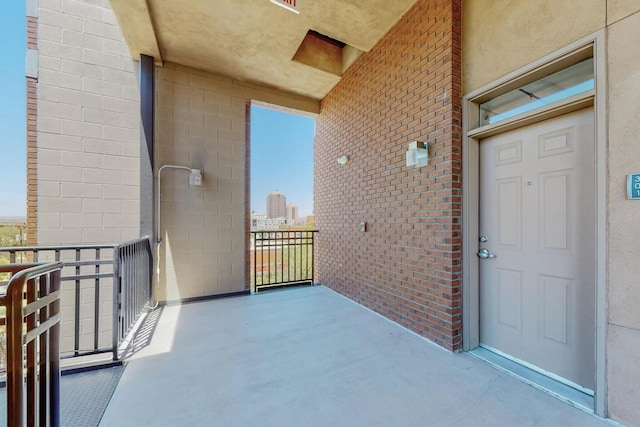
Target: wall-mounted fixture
195,179
343,160
417,154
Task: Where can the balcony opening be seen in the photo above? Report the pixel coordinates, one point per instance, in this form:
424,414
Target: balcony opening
281,177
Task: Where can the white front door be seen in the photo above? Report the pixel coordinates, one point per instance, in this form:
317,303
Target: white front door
537,216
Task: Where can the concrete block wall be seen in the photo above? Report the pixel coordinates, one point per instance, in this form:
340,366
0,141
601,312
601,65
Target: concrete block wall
407,265
88,135
201,123
83,150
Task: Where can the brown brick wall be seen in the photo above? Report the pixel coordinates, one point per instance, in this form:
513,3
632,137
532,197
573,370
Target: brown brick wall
32,118
407,266
32,32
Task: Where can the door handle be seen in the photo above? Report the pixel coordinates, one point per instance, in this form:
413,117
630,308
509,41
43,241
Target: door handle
484,254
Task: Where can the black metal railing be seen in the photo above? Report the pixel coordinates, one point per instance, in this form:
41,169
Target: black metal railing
280,258
102,287
32,306
133,273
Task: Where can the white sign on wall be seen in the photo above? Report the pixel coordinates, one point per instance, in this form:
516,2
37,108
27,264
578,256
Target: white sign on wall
292,5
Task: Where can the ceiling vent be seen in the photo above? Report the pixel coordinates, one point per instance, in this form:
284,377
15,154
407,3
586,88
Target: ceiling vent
326,53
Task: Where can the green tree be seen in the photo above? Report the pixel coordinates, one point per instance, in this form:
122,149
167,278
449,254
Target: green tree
8,235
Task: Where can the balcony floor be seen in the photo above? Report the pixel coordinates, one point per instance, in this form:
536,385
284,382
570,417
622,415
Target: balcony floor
309,357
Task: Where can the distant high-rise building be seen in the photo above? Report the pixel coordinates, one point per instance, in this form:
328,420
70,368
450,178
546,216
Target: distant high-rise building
276,205
292,212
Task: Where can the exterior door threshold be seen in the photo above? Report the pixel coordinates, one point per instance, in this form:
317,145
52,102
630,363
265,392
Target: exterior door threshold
571,395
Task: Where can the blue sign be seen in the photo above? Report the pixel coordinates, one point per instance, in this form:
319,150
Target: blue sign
633,186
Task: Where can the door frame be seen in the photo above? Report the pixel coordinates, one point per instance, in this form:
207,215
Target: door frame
594,45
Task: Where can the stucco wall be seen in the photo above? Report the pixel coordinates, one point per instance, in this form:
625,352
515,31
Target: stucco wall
88,126
623,68
500,38
407,265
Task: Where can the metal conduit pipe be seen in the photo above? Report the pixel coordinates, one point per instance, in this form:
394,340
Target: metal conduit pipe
195,178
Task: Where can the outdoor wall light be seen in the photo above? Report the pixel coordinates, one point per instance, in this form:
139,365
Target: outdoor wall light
417,154
195,177
343,160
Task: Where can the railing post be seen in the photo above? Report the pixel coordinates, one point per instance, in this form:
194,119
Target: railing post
54,348
76,338
115,339
313,261
15,356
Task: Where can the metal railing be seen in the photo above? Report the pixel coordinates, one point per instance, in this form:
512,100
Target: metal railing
133,263
32,305
104,289
280,258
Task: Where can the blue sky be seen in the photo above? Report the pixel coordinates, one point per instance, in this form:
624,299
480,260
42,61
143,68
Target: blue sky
281,158
281,143
13,109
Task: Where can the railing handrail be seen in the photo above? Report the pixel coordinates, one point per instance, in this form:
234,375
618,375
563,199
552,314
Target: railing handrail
283,231
38,248
43,297
91,269
24,272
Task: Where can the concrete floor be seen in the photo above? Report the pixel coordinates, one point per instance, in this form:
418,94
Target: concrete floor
309,357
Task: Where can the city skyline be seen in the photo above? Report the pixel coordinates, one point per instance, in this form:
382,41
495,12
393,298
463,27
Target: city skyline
281,158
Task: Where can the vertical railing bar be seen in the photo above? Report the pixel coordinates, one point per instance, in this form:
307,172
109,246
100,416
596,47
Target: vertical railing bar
300,253
43,356
129,287
54,351
306,259
115,286
255,259
32,380
15,355
96,303
299,275
313,253
76,341
281,242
